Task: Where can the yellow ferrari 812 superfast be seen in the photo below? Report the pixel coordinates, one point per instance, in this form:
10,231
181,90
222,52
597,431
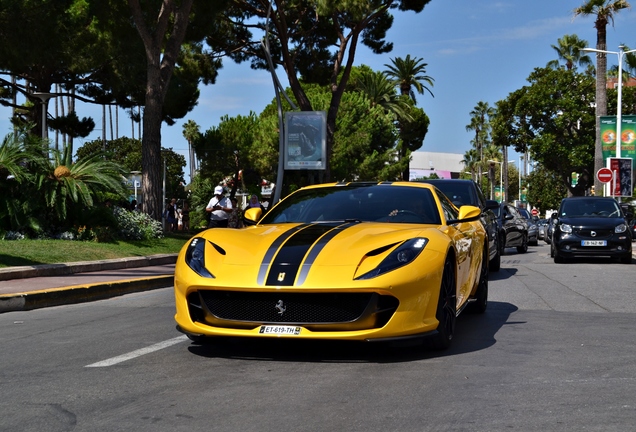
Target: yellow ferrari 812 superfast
362,261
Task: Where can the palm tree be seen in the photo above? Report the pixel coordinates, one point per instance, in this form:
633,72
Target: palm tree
471,161
569,50
62,183
604,11
15,151
408,74
381,92
190,133
480,123
492,152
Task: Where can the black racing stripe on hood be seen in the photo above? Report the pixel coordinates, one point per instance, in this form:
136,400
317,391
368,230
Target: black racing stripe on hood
316,249
286,264
271,252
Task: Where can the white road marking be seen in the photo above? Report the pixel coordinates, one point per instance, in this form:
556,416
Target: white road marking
139,352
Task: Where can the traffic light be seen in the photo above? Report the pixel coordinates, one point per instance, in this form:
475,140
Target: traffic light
592,191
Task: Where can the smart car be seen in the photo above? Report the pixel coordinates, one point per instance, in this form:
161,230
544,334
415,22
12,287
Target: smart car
358,261
590,226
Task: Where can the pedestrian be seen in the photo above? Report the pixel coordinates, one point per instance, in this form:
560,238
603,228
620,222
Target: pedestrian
171,215
219,208
185,216
254,203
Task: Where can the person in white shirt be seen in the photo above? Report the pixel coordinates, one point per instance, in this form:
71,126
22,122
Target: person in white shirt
219,208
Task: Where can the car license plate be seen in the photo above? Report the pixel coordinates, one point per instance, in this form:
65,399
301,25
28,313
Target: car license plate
593,243
280,330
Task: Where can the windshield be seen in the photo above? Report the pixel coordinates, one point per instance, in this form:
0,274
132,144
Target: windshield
364,203
590,208
459,192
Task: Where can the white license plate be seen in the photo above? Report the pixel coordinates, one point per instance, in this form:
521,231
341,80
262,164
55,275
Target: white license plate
593,243
280,330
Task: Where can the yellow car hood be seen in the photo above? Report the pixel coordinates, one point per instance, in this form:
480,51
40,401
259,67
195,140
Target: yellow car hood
306,255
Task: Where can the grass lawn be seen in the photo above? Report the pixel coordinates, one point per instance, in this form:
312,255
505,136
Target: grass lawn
33,252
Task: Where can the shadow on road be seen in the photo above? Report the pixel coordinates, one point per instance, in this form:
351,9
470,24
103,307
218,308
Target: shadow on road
473,332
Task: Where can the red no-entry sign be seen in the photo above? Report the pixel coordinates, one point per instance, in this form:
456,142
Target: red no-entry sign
604,175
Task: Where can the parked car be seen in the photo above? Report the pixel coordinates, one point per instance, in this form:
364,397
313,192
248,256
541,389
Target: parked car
541,228
467,192
590,226
549,229
630,213
349,261
513,229
533,229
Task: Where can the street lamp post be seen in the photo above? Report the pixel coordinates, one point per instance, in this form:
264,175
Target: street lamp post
501,192
44,97
619,106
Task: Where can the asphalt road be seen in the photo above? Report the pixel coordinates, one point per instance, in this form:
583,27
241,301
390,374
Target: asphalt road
554,352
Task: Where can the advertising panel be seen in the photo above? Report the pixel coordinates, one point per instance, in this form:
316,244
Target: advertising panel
621,184
628,136
305,140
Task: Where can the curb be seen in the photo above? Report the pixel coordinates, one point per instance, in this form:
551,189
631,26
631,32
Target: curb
80,293
23,272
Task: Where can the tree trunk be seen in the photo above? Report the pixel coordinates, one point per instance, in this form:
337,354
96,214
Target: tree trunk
151,151
162,49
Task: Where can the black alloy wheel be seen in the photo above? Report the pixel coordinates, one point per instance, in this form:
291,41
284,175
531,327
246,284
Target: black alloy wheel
446,308
481,296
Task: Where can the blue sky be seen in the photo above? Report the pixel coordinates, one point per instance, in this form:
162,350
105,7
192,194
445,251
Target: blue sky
476,51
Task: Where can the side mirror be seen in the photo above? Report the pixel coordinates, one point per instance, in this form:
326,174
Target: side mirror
467,213
252,215
554,215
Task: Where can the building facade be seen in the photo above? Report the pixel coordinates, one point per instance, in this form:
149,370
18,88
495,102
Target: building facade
445,165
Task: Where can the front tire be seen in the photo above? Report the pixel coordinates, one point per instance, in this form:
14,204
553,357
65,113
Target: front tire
524,245
446,308
495,264
481,296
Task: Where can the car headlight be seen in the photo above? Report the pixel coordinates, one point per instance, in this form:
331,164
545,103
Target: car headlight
195,257
401,256
620,229
566,228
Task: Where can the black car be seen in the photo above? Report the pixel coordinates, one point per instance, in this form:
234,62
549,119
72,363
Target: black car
513,228
533,228
590,226
467,192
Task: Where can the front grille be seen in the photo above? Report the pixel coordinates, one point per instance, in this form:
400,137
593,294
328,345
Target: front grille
600,233
230,308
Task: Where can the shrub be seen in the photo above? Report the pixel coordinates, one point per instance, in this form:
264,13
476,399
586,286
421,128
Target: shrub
134,225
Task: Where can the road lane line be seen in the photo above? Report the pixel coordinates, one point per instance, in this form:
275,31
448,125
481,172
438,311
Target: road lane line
139,352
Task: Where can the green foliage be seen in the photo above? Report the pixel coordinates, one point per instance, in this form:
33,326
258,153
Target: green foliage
546,189
202,192
127,153
224,150
553,119
15,174
134,225
46,196
63,184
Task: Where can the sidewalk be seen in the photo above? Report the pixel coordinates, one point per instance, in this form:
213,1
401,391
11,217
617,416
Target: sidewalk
32,287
